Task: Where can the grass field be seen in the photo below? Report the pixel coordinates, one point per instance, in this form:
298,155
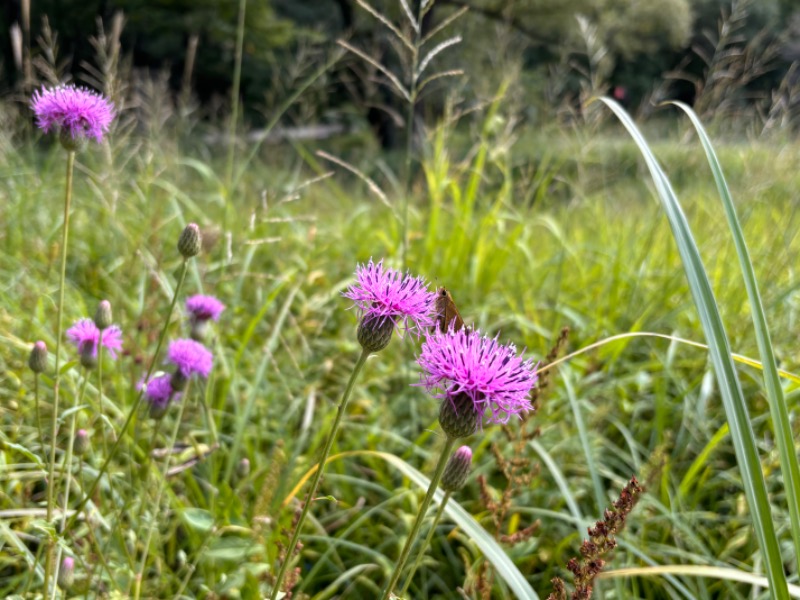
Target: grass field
560,229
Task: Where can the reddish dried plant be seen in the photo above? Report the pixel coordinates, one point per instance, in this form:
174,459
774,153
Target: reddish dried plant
600,543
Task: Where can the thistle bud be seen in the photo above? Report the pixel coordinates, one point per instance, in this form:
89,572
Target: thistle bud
190,241
375,333
37,361
102,317
457,469
66,574
72,143
243,468
179,381
457,416
88,356
80,445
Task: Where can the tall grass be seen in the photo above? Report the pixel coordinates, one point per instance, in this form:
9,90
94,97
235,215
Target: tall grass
576,243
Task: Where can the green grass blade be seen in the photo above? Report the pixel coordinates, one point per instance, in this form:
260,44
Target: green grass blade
725,371
777,403
506,569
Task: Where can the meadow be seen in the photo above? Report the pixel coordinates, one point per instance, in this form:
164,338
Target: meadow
560,229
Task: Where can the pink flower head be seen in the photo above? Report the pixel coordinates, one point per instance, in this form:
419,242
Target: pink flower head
190,357
385,293
158,390
85,334
77,111
203,308
490,374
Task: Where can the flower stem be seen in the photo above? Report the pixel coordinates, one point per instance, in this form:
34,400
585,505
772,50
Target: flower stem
38,412
159,493
437,475
100,391
51,482
138,401
67,468
318,475
425,544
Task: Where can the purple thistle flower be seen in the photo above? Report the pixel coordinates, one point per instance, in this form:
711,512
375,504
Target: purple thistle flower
190,357
493,376
85,334
203,308
385,293
159,392
77,111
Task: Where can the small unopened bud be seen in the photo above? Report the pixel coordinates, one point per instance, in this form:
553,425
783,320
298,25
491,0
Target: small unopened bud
243,468
72,143
375,333
190,242
37,361
81,444
457,416
66,573
199,330
457,469
88,356
179,381
181,559
102,317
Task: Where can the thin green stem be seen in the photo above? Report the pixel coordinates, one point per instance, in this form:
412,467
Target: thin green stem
67,468
38,411
437,475
139,397
100,392
425,544
318,475
51,482
159,493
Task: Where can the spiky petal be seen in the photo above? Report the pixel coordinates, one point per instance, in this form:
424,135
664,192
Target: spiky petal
74,111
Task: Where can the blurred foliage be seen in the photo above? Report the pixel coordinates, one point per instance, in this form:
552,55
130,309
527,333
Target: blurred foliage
554,45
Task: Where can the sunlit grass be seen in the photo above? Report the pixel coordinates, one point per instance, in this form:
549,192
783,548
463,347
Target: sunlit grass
590,250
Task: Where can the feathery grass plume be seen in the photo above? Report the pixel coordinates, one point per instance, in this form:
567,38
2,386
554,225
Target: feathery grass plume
37,361
202,309
386,299
601,541
479,380
76,113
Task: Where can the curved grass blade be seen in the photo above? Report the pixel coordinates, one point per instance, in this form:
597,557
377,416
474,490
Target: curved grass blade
696,571
506,569
732,396
777,403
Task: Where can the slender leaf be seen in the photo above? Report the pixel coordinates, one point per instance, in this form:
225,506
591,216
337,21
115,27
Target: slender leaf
732,397
777,402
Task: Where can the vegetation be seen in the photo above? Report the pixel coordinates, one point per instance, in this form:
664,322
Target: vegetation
556,238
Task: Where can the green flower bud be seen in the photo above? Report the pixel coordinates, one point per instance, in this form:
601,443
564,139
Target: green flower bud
457,416
102,317
457,469
37,360
190,241
375,333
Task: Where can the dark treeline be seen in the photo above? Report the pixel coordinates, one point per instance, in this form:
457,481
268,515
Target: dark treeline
638,42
